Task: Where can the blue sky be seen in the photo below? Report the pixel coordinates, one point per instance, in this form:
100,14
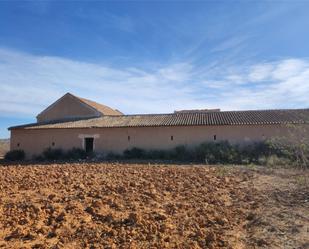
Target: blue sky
153,57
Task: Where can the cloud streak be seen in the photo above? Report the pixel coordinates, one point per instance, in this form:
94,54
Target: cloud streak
28,83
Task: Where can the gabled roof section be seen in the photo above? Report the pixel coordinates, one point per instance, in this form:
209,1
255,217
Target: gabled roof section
255,117
105,110
94,106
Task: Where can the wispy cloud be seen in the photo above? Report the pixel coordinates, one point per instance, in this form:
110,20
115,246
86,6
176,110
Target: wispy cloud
106,19
230,43
29,83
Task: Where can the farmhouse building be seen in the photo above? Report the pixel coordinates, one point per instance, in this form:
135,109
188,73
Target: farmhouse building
76,122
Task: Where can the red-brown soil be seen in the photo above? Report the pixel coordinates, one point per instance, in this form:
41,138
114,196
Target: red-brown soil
152,206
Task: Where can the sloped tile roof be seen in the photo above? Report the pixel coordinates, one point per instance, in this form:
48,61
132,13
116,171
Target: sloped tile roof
105,110
258,117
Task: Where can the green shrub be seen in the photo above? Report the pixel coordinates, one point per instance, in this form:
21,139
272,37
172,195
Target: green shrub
59,154
134,153
76,153
253,152
15,155
53,154
180,153
294,151
216,153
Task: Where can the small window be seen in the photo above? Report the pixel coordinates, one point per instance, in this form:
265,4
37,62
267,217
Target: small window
172,138
215,137
53,143
129,138
18,144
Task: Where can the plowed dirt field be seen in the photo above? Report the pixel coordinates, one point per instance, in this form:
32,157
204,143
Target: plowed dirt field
113,205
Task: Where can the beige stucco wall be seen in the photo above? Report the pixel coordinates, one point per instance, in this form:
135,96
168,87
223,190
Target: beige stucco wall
116,139
67,107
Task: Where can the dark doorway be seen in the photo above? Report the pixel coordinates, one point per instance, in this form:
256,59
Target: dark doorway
89,144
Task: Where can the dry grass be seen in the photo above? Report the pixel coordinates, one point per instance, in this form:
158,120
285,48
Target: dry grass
143,206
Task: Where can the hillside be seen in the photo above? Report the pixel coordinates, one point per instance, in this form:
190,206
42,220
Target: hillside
4,146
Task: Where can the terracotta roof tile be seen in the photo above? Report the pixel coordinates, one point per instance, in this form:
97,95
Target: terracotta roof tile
259,117
105,110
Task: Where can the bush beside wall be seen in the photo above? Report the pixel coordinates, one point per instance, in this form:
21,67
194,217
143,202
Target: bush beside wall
134,153
264,153
272,152
76,153
15,155
53,154
50,154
